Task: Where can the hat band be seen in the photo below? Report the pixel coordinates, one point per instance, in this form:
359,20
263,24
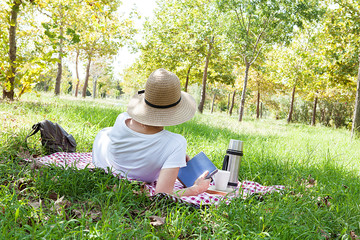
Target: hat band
159,106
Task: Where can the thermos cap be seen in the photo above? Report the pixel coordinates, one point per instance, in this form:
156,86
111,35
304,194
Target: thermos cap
236,145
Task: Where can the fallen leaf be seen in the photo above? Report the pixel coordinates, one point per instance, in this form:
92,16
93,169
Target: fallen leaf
311,182
55,179
77,213
24,154
36,164
95,215
157,221
322,202
23,183
53,196
35,204
136,213
60,204
354,236
308,183
324,234
142,189
112,188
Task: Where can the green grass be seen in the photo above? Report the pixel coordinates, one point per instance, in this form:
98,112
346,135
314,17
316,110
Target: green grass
319,167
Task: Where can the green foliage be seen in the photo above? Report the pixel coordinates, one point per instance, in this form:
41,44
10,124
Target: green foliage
29,61
179,42
253,25
341,34
64,26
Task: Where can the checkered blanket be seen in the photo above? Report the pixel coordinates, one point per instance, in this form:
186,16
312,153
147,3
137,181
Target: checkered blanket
84,160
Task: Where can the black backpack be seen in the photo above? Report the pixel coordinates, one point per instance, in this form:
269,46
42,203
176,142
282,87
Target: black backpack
53,137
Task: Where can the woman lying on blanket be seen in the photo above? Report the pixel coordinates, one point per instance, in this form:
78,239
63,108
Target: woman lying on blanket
138,147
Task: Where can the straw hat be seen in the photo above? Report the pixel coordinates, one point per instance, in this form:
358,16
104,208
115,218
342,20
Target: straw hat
162,103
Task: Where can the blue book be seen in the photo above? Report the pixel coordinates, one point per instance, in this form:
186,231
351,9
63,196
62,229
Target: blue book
194,168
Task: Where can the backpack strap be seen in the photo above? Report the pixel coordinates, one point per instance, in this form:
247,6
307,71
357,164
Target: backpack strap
34,130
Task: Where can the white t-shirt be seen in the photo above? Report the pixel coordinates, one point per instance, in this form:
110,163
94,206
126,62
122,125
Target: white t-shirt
136,155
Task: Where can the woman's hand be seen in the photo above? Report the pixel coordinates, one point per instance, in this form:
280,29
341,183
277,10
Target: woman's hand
201,184
166,180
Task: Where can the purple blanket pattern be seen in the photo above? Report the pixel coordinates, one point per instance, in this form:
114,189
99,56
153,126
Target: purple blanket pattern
84,160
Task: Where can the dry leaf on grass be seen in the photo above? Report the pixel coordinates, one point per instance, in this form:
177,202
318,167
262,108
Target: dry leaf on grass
324,201
36,164
112,188
24,154
354,236
136,213
95,215
53,196
157,221
61,204
23,183
55,179
35,204
142,189
308,183
325,235
77,213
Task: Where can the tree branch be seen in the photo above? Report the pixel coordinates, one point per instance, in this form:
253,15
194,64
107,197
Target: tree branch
248,27
257,54
240,21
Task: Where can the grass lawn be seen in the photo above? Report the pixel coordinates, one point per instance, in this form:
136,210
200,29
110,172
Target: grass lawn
319,167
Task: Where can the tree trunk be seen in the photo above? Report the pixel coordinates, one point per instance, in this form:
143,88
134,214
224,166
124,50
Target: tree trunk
94,87
59,70
9,93
228,104
86,77
232,103
261,109
212,105
355,130
258,105
313,121
187,79
291,104
77,73
242,102
203,90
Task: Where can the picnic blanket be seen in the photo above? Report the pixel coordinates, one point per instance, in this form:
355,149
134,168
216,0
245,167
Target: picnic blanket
84,160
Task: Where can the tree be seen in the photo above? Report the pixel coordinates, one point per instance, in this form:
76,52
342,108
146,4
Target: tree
343,50
254,26
12,48
105,35
61,15
355,130
187,42
99,68
19,70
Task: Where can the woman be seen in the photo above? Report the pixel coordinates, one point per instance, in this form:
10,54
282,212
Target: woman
137,146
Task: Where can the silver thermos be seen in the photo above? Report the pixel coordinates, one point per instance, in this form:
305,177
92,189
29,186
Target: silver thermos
232,161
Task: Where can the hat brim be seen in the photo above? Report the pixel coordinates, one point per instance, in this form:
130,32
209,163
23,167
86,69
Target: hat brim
145,114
